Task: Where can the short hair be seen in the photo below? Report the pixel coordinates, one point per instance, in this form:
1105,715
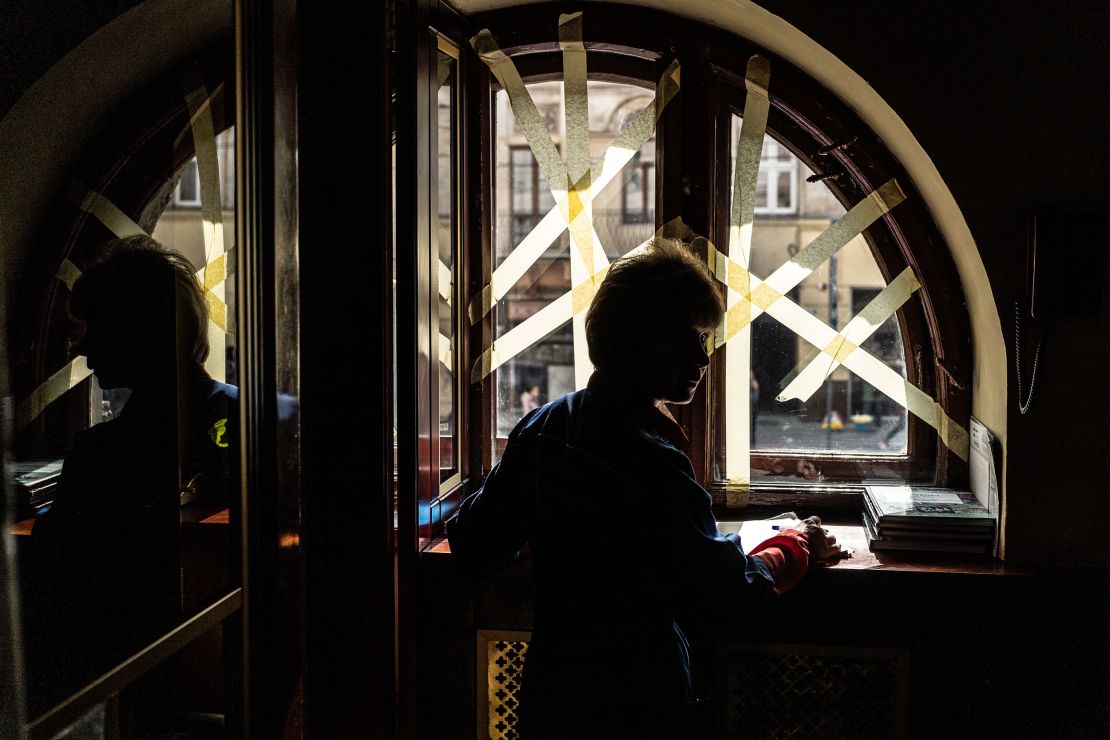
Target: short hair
654,290
129,283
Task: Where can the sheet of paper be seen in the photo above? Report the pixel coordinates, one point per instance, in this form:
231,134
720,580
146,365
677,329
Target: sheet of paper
753,532
984,476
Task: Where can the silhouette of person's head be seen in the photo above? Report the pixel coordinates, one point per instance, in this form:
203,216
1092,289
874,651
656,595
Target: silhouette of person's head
143,312
650,319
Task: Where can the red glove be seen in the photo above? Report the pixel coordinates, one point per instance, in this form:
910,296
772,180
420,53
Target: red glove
787,555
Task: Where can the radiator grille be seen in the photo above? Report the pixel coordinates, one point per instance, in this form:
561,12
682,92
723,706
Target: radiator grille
771,692
788,692
499,682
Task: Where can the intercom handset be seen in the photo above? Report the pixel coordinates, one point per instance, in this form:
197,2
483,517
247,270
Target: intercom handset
1025,402
1063,277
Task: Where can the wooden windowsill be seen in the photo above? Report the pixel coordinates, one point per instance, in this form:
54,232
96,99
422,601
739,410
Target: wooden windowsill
23,528
853,536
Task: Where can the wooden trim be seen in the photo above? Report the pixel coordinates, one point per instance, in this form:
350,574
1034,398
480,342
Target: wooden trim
103,688
351,675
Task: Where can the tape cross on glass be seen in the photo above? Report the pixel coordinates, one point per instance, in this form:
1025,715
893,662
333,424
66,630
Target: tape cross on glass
749,296
573,187
212,276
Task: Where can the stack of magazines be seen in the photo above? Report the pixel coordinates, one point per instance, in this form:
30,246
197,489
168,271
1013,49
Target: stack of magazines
35,482
929,519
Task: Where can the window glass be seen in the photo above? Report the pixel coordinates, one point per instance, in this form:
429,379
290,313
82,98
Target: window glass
140,531
188,187
844,414
181,227
623,217
446,231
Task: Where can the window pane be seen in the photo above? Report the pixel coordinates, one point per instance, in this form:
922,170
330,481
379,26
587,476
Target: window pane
447,246
842,414
761,189
545,370
184,230
784,190
141,530
188,188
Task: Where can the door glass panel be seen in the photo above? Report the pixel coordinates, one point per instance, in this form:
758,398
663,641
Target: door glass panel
447,248
128,480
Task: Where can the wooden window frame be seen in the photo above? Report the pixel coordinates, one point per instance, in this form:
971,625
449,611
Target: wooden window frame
830,139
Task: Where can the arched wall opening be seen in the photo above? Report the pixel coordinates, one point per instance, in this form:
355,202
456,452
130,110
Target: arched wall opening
746,19
38,157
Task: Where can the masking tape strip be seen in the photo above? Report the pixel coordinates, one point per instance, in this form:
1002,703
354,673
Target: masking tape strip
863,364
51,390
208,103
571,195
749,149
809,379
885,379
104,210
576,107
764,293
199,102
738,352
738,492
208,164
540,324
445,280
68,273
524,108
638,130
122,226
832,239
587,246
524,335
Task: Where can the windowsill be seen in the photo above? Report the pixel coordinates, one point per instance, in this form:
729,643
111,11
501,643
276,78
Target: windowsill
853,536
23,527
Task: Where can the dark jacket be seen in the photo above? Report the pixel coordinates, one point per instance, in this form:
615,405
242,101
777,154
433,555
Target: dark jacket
105,575
625,553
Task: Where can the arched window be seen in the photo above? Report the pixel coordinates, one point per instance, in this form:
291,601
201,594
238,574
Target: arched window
844,357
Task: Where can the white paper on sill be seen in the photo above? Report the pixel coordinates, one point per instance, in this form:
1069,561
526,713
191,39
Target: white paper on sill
756,531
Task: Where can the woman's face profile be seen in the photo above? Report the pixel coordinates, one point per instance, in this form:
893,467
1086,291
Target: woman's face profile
671,363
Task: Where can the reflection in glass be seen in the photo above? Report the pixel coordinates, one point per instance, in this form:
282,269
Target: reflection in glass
846,414
116,560
137,533
623,216
447,247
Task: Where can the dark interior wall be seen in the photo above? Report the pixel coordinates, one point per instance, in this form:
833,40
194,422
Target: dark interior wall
1010,99
34,34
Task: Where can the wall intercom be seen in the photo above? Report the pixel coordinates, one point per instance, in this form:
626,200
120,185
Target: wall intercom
1064,263
1063,278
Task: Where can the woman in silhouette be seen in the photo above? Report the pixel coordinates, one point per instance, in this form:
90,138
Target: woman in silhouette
626,556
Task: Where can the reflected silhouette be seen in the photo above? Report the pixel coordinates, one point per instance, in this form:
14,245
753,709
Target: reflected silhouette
106,573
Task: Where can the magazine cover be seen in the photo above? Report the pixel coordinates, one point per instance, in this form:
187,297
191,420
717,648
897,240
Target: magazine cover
909,504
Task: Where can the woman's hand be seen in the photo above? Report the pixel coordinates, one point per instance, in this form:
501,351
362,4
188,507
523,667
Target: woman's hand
822,543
